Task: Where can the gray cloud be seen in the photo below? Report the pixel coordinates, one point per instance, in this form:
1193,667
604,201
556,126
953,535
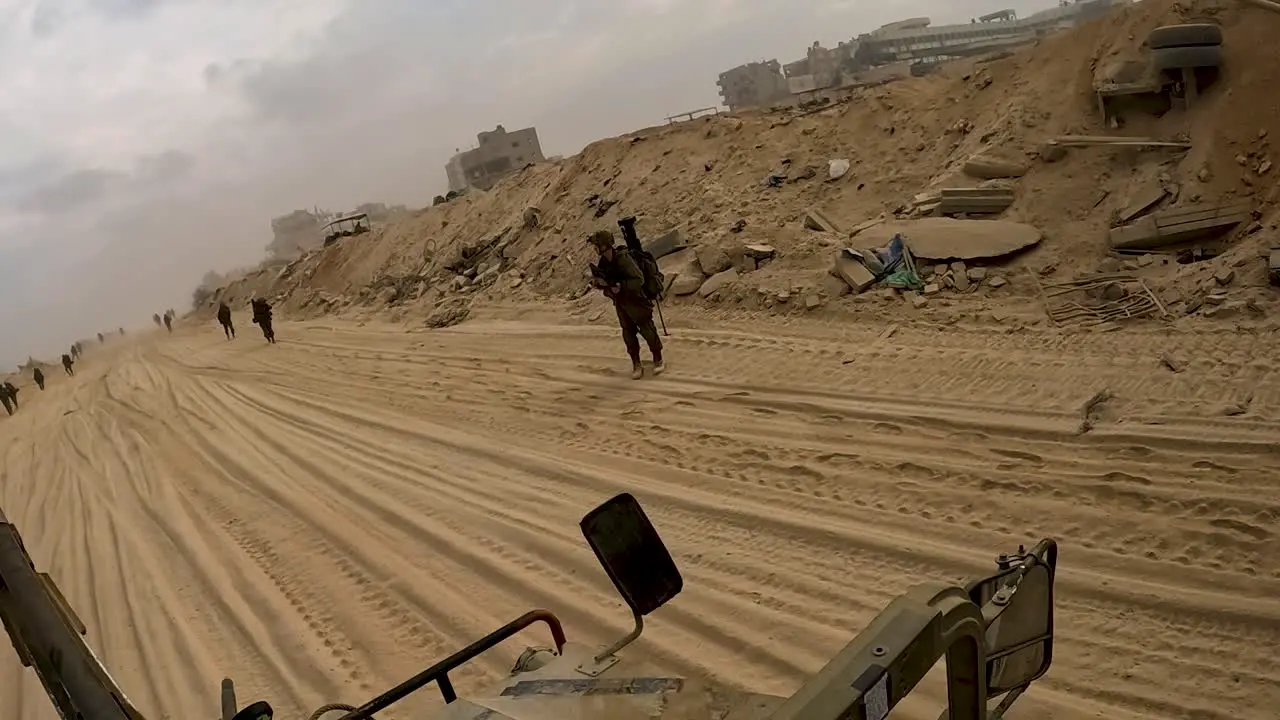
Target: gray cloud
81,189
46,19
146,148
73,191
125,9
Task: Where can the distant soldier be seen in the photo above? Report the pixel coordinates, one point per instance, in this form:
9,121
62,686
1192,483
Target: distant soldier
155,318
12,392
262,318
224,319
38,377
101,339
168,322
67,363
618,276
4,399
121,331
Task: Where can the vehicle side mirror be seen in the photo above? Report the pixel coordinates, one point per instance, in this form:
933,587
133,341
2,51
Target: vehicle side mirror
1020,638
632,554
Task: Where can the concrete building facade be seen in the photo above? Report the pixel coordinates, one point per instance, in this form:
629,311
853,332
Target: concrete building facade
498,154
753,85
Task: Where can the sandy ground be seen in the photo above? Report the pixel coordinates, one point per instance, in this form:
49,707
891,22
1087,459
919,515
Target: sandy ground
321,518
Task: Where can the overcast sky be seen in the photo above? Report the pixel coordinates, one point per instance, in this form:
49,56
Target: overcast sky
143,142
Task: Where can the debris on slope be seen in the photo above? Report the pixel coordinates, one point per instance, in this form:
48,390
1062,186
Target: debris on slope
770,207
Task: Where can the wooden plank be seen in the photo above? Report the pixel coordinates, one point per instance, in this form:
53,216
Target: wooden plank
1089,140
1149,235
1174,217
975,193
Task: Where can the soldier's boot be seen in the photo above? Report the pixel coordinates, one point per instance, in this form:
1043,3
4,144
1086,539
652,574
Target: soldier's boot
659,366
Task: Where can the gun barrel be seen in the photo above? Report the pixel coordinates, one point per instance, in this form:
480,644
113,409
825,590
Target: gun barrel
77,684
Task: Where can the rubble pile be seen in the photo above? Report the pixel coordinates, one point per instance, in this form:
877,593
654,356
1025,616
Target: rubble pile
979,185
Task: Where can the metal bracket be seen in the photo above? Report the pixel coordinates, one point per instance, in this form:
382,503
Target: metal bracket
607,658
596,667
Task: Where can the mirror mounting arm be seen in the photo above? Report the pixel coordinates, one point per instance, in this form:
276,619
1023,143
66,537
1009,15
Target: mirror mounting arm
607,658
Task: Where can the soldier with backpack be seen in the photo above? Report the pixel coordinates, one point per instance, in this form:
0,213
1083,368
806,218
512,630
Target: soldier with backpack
619,275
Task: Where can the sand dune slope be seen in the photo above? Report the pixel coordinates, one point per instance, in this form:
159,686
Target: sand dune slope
323,517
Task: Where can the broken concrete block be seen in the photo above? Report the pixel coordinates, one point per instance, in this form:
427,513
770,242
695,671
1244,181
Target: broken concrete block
1224,276
932,289
686,283
760,252
852,271
1215,299
713,260
745,263
665,244
717,282
977,274
812,301
960,280
679,261
996,281
814,219
1142,201
834,286
919,301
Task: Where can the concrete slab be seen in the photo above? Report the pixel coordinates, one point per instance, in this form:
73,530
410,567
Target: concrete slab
952,239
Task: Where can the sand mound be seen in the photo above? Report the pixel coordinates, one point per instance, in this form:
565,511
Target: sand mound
709,178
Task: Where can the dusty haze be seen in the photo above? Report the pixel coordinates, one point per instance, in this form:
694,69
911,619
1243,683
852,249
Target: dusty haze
147,141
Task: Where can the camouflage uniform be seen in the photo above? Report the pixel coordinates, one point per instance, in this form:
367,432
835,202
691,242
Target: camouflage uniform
623,282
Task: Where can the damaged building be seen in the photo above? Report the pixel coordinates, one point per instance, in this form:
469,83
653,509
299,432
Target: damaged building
498,154
755,84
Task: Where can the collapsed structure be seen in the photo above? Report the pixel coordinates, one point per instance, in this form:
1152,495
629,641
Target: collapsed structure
898,49
766,204
498,154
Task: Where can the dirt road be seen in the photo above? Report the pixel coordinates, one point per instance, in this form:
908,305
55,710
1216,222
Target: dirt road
323,517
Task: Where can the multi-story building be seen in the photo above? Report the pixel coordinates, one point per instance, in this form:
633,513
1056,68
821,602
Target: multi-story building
498,154
752,85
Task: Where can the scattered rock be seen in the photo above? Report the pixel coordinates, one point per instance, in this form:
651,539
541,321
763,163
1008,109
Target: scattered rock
812,301
1172,363
1113,291
1214,299
686,283
760,252
718,281
919,301
815,220
713,260
996,281
449,312
932,289
977,274
834,286
1224,276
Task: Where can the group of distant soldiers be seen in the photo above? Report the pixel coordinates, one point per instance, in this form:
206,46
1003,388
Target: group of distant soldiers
166,319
